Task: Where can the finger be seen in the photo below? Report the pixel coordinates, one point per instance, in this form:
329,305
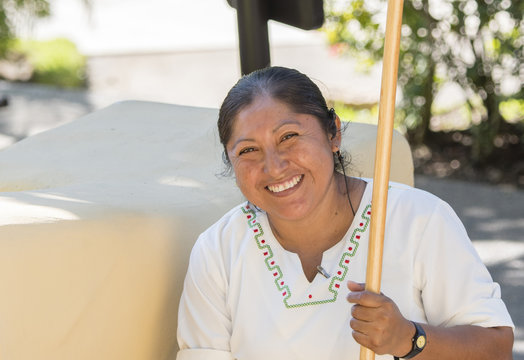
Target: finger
367,335
367,341
355,286
361,333
360,338
360,326
364,313
366,298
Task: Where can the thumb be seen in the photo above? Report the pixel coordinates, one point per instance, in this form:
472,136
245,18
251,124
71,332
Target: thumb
355,286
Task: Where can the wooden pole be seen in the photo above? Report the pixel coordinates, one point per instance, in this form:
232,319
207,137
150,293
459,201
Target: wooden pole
383,152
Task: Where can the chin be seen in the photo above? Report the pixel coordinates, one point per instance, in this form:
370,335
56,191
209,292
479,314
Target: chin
291,213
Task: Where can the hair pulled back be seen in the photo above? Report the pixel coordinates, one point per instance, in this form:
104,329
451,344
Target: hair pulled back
288,86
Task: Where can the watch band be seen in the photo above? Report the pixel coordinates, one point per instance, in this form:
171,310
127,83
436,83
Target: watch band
418,342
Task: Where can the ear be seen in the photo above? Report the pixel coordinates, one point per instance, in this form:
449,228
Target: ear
337,139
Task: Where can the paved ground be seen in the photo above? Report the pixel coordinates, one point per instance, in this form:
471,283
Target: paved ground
494,216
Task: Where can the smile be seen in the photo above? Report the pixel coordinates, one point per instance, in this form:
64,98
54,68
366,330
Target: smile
286,185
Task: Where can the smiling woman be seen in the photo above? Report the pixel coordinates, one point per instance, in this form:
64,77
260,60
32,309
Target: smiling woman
279,156
266,281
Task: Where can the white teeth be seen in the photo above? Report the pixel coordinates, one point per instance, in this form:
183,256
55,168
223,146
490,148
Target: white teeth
287,185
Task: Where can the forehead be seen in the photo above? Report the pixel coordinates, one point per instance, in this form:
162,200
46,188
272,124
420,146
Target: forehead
266,114
267,105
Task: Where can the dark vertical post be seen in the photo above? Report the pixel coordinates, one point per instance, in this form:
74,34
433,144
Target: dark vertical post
253,35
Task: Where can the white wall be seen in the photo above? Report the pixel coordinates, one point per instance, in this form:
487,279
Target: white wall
123,26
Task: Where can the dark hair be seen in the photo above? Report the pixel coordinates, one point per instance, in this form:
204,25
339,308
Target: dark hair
289,86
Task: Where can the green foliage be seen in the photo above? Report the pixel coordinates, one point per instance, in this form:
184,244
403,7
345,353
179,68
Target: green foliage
360,114
56,62
367,114
512,111
478,44
12,9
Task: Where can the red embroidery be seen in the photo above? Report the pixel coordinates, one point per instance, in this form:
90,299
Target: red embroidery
272,265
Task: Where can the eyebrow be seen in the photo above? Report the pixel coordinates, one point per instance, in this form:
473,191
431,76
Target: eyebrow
239,141
284,123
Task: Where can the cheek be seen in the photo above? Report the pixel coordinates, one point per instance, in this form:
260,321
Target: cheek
317,156
244,176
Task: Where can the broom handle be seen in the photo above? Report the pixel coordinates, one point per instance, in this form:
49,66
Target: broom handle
383,152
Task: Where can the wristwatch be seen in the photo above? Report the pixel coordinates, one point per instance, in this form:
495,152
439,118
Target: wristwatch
418,342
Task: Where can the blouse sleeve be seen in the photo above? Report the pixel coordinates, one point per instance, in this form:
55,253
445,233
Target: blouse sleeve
204,322
456,288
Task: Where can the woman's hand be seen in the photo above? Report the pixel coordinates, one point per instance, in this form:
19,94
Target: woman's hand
378,325
377,322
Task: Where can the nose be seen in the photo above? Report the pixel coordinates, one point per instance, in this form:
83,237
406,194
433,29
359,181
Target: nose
274,163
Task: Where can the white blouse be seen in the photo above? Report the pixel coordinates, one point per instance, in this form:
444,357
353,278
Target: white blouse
246,297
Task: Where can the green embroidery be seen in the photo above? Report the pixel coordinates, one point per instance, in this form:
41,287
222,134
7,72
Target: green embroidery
276,272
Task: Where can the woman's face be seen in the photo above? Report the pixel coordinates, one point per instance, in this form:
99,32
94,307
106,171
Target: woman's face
283,161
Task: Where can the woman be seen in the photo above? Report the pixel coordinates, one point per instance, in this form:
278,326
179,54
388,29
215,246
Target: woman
271,278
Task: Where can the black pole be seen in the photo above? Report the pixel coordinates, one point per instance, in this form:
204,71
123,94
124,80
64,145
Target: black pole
253,36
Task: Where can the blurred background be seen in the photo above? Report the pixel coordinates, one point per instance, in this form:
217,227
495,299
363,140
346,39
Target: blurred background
460,92
460,98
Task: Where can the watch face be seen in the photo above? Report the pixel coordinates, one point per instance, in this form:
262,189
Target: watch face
421,342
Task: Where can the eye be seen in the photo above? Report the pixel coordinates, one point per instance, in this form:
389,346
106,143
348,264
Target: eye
288,136
246,150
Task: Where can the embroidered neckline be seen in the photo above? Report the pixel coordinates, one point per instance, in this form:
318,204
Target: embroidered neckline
336,279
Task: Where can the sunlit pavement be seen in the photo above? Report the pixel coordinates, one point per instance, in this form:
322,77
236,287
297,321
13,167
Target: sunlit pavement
494,219
493,216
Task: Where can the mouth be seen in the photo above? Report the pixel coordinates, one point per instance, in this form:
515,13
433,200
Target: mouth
285,185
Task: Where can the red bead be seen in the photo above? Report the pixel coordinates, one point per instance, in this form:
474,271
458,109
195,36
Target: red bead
281,283
346,261
265,253
275,274
310,296
339,272
284,294
256,230
249,216
350,248
361,224
272,263
337,286
263,241
358,236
